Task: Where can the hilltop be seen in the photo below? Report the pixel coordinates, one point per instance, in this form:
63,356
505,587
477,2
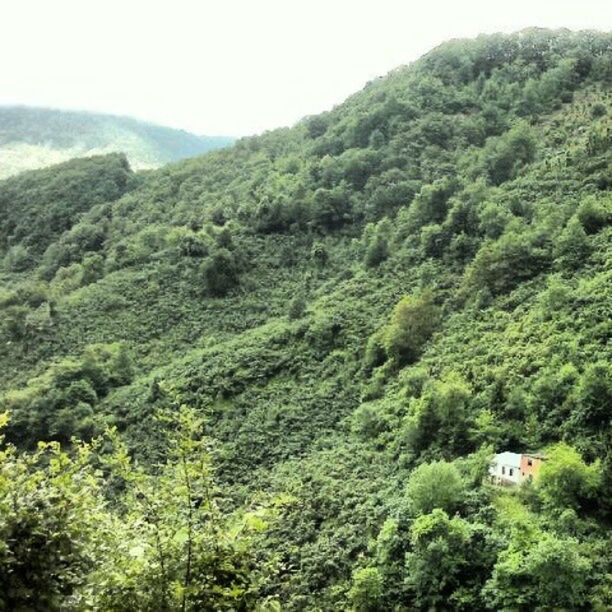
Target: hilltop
38,137
363,308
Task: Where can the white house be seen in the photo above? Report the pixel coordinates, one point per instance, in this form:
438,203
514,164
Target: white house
506,468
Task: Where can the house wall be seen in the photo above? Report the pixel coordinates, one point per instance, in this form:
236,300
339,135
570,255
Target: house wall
508,473
530,466
505,468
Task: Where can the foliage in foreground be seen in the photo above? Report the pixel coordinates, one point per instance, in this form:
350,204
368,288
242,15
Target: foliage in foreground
90,528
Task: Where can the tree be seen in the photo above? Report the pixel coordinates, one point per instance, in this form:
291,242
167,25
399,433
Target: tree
440,418
440,549
593,399
431,204
512,259
53,522
377,252
386,192
435,485
506,155
594,214
367,589
319,254
377,243
434,240
412,324
367,421
317,126
220,273
376,140
14,323
18,259
297,307
177,551
565,480
493,219
550,573
331,208
93,268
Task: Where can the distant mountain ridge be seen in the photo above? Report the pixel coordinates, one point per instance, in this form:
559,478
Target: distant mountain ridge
33,137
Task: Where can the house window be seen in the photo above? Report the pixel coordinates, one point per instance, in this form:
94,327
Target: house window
529,462
503,469
511,471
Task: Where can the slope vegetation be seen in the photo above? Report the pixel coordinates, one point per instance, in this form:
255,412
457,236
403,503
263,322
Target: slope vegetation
364,308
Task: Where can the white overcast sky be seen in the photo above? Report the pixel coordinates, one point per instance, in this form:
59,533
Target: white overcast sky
238,67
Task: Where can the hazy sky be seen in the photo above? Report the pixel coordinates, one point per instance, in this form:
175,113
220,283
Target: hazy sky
237,67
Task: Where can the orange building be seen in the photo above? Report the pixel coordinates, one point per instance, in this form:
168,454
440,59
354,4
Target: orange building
530,465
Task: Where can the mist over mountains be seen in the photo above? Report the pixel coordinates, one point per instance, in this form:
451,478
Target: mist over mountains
38,137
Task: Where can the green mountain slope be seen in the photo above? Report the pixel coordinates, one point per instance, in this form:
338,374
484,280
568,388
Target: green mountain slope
38,137
364,308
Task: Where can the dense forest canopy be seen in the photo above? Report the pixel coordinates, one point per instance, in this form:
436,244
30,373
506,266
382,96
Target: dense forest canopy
290,362
38,137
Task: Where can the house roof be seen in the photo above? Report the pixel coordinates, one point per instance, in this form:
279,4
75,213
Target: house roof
537,455
507,458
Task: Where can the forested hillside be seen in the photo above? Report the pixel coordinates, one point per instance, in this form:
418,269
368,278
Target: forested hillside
292,360
38,137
